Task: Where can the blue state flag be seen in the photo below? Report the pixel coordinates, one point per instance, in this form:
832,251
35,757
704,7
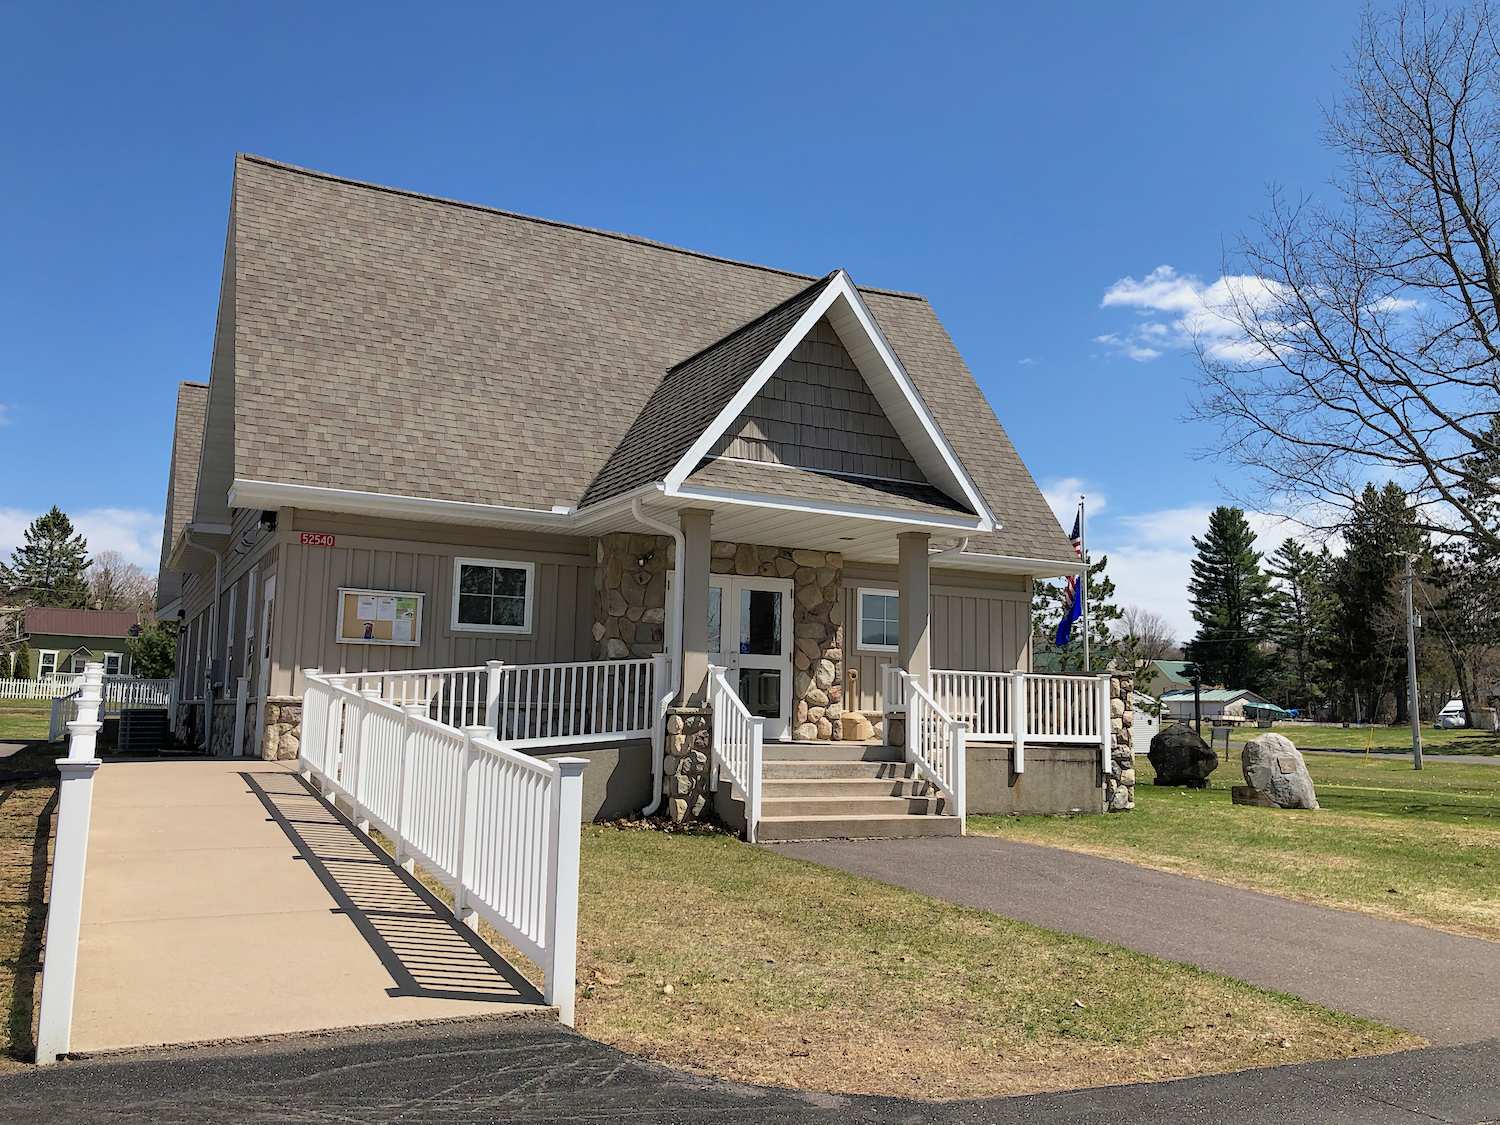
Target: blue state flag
1074,590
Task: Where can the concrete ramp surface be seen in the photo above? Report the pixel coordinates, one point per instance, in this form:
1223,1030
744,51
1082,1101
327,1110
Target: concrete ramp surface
224,900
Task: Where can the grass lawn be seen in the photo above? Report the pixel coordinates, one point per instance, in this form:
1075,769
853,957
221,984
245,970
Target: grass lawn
1421,847
701,952
1334,737
24,719
27,815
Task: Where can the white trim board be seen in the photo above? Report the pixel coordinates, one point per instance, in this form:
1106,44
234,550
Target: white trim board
888,381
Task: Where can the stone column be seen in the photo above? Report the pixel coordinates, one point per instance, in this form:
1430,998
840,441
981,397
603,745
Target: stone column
695,570
915,607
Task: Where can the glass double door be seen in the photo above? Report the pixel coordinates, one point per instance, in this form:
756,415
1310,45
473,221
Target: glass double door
749,633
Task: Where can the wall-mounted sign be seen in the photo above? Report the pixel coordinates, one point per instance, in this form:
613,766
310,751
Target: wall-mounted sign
379,617
316,539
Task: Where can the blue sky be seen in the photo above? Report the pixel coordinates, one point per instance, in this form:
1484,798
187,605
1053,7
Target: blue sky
1016,163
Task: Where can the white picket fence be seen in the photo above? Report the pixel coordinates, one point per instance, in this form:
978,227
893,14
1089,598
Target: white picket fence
48,687
496,826
935,744
120,694
738,742
1056,709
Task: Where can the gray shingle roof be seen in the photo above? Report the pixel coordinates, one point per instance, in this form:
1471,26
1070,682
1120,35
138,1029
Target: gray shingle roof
393,342
182,480
838,488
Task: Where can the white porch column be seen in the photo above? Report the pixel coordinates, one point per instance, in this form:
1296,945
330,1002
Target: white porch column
915,606
697,532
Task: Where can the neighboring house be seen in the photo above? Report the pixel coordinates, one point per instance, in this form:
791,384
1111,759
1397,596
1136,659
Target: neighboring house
1167,675
437,434
1221,703
64,640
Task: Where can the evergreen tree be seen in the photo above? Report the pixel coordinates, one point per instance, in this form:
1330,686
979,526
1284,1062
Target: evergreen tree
48,569
21,663
1301,618
1049,603
4,665
153,654
1368,637
1232,603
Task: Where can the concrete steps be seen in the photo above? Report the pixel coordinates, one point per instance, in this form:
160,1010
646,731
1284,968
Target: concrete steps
814,791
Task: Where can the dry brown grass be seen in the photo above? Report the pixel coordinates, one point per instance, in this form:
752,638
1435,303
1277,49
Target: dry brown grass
27,816
786,973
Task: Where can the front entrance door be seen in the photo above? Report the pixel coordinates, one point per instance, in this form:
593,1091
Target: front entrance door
749,633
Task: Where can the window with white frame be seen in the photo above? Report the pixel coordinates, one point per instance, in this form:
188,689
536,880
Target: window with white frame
492,595
879,620
112,663
80,662
46,663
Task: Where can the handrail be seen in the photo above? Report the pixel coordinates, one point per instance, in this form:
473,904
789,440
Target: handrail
497,827
738,744
935,745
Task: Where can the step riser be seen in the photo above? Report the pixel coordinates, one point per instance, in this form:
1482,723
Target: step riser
836,788
786,771
867,806
851,752
772,831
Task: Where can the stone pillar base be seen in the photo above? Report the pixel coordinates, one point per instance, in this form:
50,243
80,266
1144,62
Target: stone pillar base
283,729
685,767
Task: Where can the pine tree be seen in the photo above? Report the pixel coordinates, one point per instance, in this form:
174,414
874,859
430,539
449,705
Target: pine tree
1301,618
1232,603
1049,602
1367,639
4,665
48,569
153,654
21,663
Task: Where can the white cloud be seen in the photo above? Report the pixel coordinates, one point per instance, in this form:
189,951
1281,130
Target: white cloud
1199,314
134,532
1027,361
1062,498
4,421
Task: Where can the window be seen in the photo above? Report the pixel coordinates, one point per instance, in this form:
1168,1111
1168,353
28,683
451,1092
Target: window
111,663
46,663
79,664
879,620
492,595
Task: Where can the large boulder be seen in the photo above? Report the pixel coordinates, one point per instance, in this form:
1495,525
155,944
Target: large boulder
1180,757
1276,773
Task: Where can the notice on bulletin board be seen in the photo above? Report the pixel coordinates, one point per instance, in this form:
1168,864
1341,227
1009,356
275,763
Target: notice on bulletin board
379,617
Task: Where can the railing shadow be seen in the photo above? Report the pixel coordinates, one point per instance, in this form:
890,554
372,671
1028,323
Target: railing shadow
425,949
28,964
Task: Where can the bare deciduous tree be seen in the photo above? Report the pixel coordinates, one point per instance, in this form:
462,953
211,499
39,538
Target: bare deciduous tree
1155,637
115,583
1361,337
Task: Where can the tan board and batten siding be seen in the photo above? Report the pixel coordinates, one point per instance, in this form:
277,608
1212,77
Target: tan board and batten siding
979,623
392,555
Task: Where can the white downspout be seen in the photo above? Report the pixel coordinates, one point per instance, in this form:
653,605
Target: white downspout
674,647
946,551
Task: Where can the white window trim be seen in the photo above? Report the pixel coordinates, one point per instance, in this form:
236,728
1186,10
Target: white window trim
859,619
41,656
120,666
509,564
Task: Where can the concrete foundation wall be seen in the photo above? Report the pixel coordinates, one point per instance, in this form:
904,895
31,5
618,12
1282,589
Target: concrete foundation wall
617,780
1059,780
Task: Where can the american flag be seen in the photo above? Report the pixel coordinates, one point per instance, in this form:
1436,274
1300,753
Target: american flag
1074,606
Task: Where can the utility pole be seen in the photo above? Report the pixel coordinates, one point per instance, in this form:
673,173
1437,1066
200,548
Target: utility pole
1411,674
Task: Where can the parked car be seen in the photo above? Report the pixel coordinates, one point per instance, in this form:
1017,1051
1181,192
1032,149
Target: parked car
1452,716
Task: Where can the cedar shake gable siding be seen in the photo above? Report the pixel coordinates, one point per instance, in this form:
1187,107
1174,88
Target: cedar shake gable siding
397,343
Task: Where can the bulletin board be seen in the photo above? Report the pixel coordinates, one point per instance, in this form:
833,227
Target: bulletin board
379,617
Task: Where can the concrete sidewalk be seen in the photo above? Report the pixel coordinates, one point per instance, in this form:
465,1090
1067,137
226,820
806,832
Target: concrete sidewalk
1441,986
225,900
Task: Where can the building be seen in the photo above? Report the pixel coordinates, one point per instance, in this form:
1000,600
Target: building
436,435
1167,675
64,640
1235,704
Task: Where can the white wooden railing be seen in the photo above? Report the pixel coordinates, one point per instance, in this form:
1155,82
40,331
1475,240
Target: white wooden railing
532,705
121,693
935,744
583,701
1054,708
738,743
47,687
496,826
69,856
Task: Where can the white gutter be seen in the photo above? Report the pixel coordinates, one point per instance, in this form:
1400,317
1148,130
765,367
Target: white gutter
674,645
947,551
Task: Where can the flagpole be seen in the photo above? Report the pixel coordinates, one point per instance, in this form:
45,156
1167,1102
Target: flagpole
1083,549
